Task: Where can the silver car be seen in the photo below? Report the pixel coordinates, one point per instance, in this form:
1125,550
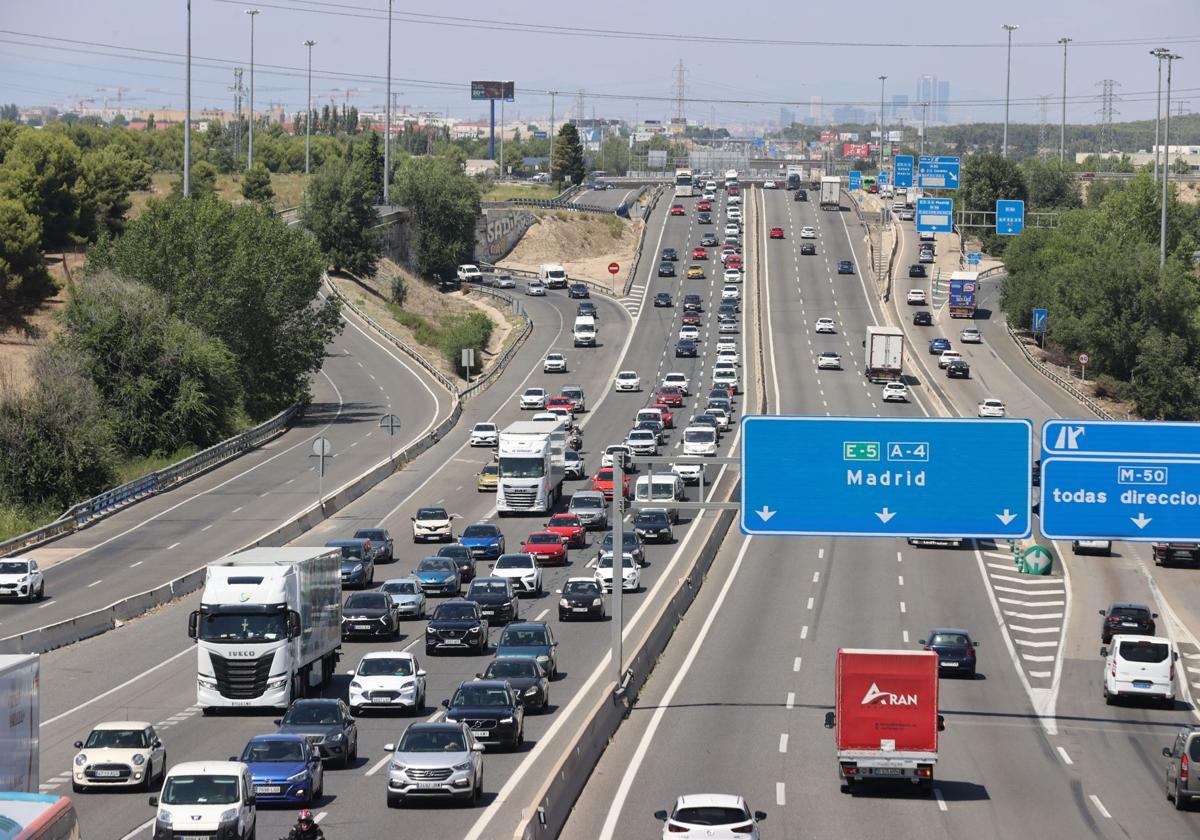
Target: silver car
406,594
1183,787
591,508
435,759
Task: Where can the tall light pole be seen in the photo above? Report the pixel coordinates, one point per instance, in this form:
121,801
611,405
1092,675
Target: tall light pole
1162,227
1062,126
250,151
308,111
550,166
924,115
1010,28
882,84
1160,53
387,107
187,108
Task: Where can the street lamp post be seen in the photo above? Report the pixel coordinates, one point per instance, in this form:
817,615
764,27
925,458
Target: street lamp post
1010,28
924,116
550,166
187,108
308,111
250,150
1160,53
1166,142
882,84
1062,127
387,108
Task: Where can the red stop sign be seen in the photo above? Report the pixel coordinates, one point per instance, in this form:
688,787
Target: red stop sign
613,268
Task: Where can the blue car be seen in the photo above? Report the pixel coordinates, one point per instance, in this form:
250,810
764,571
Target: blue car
284,768
438,576
845,267
358,564
938,345
484,540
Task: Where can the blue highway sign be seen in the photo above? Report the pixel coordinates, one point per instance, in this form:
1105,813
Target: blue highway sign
1010,217
855,180
935,214
884,177
938,172
1120,439
904,171
886,477
1039,321
974,258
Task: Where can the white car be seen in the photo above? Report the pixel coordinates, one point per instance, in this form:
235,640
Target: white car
627,380
700,440
534,398
734,199
617,450
122,753
970,336
826,325
730,356
546,415
504,281
522,569
535,288
732,229
679,380
554,363
631,573
432,523
689,333
732,275
709,196
948,356
726,343
829,360
710,815
916,297
726,377
723,419
642,442
387,679
807,232
485,434
897,391
731,293
734,214
21,578
690,473
770,185
728,325
992,407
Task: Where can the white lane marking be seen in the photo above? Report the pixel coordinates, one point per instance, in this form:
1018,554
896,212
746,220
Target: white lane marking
1041,674
1033,616
783,739
236,509
1066,758
780,798
810,606
209,525
1017,603
796,663
135,565
903,608
804,632
899,557
48,603
95,583
1028,581
905,636
1020,629
1027,643
375,768
147,824
117,688
1026,592
816,577
542,614
820,554
172,545
320,817
901,579
1100,806
941,800
791,700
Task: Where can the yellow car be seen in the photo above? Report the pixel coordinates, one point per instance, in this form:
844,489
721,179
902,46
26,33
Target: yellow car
695,272
487,479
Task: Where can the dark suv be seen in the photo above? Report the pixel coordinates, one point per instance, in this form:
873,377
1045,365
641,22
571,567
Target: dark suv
456,625
1127,620
666,269
922,319
692,303
381,542
493,711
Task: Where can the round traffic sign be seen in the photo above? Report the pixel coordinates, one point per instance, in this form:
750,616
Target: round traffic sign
613,268
322,447
1083,358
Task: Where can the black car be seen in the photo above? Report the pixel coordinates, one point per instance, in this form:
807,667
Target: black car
663,299
653,524
382,545
371,615
727,309
917,270
808,249
669,255
580,598
685,348
358,565
666,269
526,677
958,369
456,625
801,195
704,219
955,650
692,303
578,290
496,599
588,309
922,319
492,709
327,725
708,420
719,394
709,240
632,544
462,557
1126,619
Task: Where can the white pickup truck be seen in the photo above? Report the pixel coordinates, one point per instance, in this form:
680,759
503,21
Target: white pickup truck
470,274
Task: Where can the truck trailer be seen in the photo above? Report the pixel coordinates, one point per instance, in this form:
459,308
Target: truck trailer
963,286
532,459
831,192
269,627
19,727
884,354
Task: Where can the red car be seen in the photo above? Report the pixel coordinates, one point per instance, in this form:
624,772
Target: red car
671,395
547,548
692,319
561,402
777,233
699,253
734,262
602,482
704,205
568,526
667,415
735,190
676,209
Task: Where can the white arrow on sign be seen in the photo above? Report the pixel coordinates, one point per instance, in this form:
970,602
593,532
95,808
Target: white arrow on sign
1006,517
766,513
1141,521
885,515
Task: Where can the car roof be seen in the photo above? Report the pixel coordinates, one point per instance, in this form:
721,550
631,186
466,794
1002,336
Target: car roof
315,701
346,541
206,768
719,800
402,580
1127,605
958,630
109,725
527,625
279,736
435,726
581,580
487,683
489,579
389,654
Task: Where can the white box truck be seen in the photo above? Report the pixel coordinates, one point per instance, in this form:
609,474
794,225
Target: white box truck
884,354
19,726
532,457
831,192
269,626
554,276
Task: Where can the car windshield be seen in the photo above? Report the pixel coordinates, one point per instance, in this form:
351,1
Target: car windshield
564,521
605,474
14,567
258,751
514,561
432,513
435,564
626,376
370,535
572,393
487,587
511,467
456,551
628,540
253,627
699,435
713,815
479,531
544,539
432,740
647,517
385,666
949,639
513,637
581,587
476,695
517,666
200,790
352,551
581,502
117,739
454,612
305,714
490,469
1143,651
606,562
487,427
367,601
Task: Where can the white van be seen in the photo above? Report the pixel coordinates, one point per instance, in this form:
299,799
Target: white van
700,440
1140,666
553,275
209,798
663,487
584,331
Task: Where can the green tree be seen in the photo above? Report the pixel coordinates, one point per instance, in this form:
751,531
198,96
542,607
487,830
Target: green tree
256,184
110,174
150,125
567,164
20,249
1166,381
43,170
340,213
10,113
514,160
369,152
614,156
1049,187
204,181
985,180
444,204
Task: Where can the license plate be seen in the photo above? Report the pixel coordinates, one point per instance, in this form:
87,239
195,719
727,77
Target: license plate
452,641
382,700
579,609
479,729
1142,684
429,785
1128,624
887,771
362,626
267,788
949,664
107,773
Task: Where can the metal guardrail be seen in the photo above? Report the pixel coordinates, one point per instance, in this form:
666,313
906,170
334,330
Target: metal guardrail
110,501
631,275
1054,377
592,285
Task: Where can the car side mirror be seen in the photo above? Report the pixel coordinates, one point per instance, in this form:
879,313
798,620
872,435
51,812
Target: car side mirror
1154,615
1175,656
350,672
760,815
251,798
830,720
479,676
153,801
1101,612
446,704
660,815
420,672
557,591
233,758
976,644
477,748
278,721
413,518
158,745
941,723
389,747
921,641
1104,651
79,745
1167,752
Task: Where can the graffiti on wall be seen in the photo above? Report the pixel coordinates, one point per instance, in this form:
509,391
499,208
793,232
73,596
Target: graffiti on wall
498,231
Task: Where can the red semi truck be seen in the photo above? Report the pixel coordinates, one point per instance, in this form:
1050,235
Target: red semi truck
886,720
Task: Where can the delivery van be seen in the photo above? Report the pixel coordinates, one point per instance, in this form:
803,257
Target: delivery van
584,331
1140,667
661,488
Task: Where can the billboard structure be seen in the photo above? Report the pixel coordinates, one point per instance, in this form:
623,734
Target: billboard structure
491,91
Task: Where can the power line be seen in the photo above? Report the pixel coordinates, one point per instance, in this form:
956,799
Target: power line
1106,117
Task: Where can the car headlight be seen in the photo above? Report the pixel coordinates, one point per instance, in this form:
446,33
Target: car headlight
80,760
563,602
357,567
355,685
596,602
429,631
139,760
295,777
206,682
229,816
164,818
475,629
543,659
508,719
529,692
462,768
278,682
336,738
396,765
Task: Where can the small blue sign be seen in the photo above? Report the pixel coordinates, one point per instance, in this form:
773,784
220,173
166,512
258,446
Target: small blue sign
1120,439
974,258
855,179
757,141
904,171
935,214
886,477
884,176
1010,217
938,172
1039,321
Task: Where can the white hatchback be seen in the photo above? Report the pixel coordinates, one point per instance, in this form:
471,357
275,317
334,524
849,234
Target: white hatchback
710,815
726,343
534,398
627,380
916,297
896,391
689,333
731,293
807,232
732,275
826,325
730,356
485,434
992,407
829,360
679,380
554,363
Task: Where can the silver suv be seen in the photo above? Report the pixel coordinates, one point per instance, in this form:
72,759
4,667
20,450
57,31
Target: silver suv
435,759
1183,767
591,508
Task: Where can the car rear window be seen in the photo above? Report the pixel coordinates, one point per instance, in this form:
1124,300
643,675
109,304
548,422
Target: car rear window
1132,613
948,639
710,815
1150,652
1194,750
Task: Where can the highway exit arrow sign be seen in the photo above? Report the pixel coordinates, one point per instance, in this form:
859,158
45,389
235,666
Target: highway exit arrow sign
934,478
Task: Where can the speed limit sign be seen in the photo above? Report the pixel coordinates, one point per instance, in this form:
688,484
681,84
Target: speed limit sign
1083,358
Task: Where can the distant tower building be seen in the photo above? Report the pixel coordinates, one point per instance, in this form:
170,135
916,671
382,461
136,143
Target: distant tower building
815,109
927,91
786,117
899,106
943,102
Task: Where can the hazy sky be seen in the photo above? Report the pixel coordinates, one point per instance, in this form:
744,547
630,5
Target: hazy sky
438,49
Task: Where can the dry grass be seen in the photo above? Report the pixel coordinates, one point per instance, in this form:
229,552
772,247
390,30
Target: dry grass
507,192
584,243
289,190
